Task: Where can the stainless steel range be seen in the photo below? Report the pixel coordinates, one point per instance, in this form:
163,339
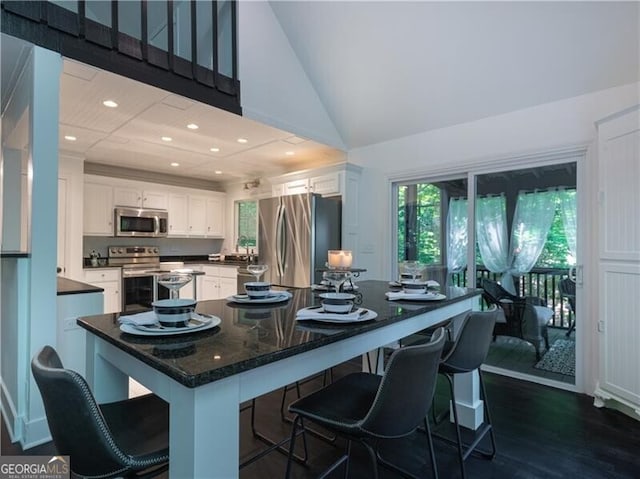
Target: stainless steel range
139,266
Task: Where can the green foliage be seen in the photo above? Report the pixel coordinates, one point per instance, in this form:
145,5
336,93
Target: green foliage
248,222
425,236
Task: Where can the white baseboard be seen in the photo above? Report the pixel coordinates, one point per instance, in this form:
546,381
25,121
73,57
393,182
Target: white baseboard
530,378
35,433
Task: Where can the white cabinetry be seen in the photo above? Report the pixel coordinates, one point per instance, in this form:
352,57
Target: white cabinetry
619,259
326,185
219,282
98,209
135,197
197,215
178,209
193,213
109,280
215,217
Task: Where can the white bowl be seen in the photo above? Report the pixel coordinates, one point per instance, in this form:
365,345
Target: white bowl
414,287
257,289
174,312
342,308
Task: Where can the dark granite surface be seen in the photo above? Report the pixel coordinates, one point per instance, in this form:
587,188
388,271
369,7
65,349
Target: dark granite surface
15,254
251,336
69,286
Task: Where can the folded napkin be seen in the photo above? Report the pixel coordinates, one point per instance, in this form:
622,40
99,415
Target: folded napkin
430,283
394,295
319,315
146,318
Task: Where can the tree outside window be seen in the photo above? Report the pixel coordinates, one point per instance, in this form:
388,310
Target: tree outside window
247,216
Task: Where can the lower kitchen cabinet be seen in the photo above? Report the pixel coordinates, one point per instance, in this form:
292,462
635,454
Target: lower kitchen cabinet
218,282
109,280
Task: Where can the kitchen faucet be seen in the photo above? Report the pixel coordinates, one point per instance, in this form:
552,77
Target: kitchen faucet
242,241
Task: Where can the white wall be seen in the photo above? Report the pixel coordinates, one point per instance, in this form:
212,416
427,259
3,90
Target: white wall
275,88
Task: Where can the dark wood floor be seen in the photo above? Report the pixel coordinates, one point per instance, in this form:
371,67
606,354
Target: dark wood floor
541,433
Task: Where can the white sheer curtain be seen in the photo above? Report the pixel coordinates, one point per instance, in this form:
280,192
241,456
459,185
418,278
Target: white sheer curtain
569,219
531,223
491,230
457,235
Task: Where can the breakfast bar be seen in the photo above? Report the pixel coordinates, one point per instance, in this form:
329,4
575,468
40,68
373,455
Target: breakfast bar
205,375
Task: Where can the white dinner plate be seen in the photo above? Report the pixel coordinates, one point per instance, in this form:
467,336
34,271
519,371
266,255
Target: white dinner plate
399,296
273,297
317,314
208,322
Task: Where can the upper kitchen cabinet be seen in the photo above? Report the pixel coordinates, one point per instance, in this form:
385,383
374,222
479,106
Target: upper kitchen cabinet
206,216
197,215
126,196
98,209
215,216
178,214
331,181
192,213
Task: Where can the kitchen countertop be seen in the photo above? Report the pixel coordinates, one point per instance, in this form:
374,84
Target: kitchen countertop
69,286
254,335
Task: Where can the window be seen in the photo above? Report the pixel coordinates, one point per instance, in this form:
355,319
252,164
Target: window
419,223
247,223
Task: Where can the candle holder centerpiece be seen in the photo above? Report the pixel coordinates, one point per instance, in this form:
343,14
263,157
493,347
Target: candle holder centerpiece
339,259
336,277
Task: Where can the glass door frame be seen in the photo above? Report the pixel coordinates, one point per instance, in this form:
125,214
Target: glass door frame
577,154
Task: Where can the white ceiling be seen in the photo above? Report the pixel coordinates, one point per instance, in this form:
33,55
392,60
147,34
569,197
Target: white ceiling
131,134
386,69
383,70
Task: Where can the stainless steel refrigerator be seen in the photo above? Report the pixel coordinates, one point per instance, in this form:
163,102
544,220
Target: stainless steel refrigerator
294,234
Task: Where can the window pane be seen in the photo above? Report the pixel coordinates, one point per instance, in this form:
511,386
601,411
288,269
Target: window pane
247,212
182,29
72,6
225,31
157,24
204,34
420,223
129,18
99,11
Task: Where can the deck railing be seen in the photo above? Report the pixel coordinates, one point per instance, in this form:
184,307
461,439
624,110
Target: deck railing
540,282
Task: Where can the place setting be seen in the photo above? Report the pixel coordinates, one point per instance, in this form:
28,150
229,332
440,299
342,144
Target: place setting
336,308
411,285
171,316
259,292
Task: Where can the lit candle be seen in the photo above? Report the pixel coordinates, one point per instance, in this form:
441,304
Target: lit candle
339,259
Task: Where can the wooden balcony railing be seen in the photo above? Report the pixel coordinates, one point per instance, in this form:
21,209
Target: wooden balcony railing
540,282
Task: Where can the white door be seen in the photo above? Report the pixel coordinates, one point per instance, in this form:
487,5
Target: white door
619,258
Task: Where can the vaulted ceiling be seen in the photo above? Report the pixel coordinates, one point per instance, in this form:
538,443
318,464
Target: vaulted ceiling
385,70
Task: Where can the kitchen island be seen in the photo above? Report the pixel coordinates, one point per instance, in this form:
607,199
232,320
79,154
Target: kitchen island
256,349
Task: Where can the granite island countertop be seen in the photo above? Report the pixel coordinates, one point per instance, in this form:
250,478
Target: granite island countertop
69,286
254,335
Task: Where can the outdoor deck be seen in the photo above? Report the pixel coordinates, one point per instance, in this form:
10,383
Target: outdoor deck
516,355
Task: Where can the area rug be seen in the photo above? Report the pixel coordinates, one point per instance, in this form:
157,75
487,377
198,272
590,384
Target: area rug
561,358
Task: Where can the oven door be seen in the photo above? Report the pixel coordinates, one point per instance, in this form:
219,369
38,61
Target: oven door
138,293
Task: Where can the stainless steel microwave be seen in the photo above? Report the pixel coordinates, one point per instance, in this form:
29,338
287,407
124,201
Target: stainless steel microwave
141,222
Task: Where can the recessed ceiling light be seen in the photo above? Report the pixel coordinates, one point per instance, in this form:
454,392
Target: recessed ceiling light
192,126
218,172
110,103
175,164
70,138
243,140
289,153
167,138
214,149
